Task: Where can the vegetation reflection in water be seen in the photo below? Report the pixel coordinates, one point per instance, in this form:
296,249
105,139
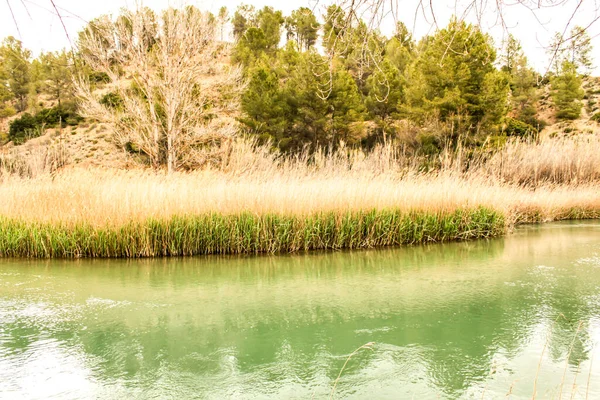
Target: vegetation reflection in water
455,320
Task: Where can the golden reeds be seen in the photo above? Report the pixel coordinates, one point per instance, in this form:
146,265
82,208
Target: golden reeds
256,185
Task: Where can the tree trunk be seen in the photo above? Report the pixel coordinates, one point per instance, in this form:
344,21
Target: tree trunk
170,155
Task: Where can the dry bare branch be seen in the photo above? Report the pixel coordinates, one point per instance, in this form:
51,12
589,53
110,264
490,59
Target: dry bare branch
170,76
375,12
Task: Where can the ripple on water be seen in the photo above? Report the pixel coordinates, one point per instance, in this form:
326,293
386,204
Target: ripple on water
593,261
106,303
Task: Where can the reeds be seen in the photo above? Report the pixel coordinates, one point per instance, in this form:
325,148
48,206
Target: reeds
256,201
566,160
244,233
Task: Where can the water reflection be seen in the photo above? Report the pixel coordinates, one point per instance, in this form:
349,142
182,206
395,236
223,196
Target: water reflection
452,320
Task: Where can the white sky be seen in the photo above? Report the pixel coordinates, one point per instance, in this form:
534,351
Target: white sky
41,30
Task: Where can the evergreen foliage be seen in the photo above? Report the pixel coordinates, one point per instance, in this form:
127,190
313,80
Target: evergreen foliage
30,126
445,87
576,48
514,127
14,59
303,27
567,92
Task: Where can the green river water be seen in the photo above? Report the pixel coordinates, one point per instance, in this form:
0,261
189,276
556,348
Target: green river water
462,320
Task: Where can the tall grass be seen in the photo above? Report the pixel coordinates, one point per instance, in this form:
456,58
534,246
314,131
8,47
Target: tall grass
244,233
568,160
31,161
253,200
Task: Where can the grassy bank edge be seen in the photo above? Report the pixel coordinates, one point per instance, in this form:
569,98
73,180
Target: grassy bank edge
246,233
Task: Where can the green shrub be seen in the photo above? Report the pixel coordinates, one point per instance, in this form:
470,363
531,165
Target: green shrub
112,100
50,116
73,121
570,113
7,111
29,126
98,77
24,128
595,117
514,127
430,144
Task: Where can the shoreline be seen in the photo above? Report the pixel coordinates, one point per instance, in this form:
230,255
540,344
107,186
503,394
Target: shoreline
270,234
246,233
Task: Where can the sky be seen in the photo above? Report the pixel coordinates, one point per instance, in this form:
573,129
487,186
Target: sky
41,30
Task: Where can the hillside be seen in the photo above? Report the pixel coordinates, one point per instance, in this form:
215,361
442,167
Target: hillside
584,124
360,91
90,143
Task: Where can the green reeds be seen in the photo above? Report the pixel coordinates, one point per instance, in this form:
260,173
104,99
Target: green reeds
245,233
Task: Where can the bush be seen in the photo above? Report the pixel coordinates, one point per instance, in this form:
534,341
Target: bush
7,111
112,100
515,127
595,117
430,144
65,115
98,77
569,113
29,126
50,116
24,128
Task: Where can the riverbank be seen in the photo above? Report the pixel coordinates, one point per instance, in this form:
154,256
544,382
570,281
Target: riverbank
245,233
257,203
144,214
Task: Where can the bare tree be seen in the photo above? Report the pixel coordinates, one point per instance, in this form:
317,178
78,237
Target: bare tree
168,76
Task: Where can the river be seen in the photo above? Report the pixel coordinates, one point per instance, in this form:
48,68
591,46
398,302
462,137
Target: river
464,320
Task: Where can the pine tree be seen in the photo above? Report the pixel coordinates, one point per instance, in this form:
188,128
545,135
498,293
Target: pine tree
310,110
400,50
494,99
522,81
57,75
576,49
523,84
345,106
333,29
243,18
303,26
15,63
6,109
270,22
250,47
567,92
449,76
385,93
265,108
256,34
511,54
